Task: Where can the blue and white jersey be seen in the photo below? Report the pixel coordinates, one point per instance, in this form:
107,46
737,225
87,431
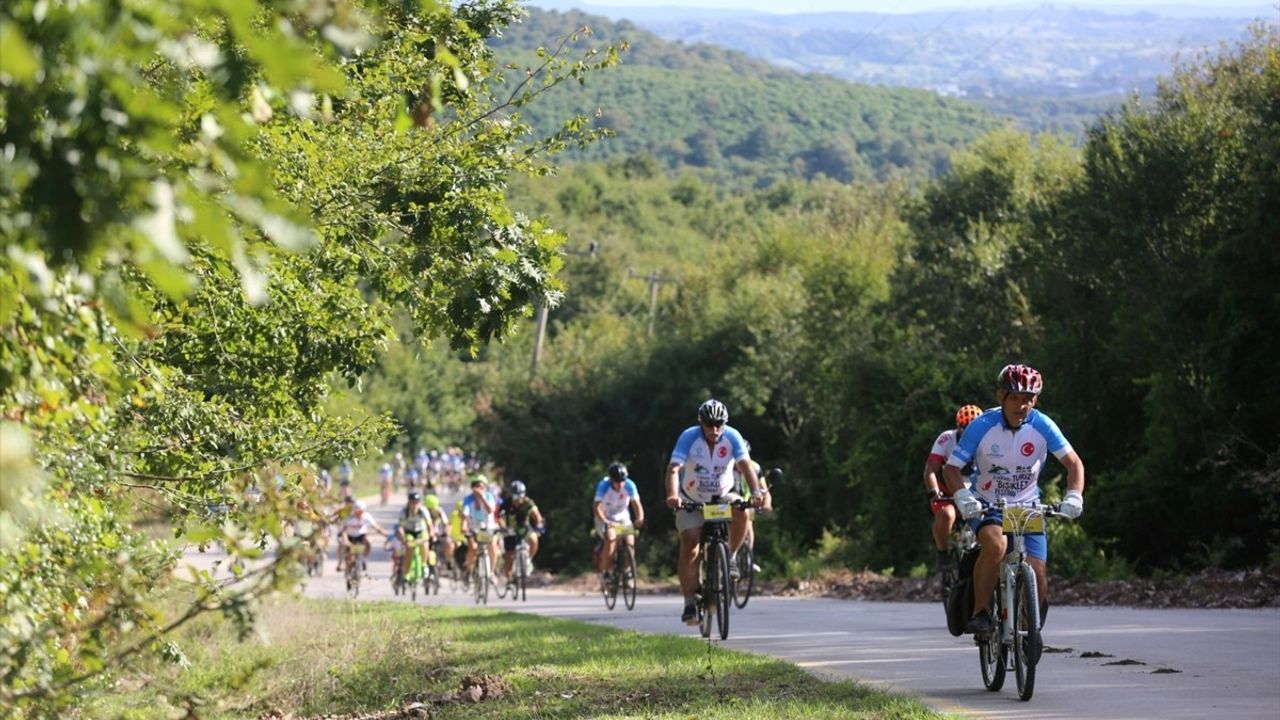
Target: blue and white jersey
708,471
477,516
616,502
1007,461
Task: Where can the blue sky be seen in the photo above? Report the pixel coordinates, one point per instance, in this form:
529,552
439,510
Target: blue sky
886,6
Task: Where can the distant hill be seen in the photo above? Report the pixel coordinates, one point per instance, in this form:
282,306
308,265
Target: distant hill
704,106
1050,67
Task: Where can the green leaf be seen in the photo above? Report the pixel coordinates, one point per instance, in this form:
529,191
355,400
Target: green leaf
17,63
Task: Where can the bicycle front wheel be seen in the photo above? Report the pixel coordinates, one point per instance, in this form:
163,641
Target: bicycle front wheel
742,587
522,575
1026,633
706,594
609,588
480,580
724,589
992,654
627,574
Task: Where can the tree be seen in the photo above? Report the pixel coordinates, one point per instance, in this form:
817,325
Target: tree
207,223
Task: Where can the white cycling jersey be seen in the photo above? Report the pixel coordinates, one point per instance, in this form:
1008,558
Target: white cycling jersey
708,471
1007,461
616,502
356,526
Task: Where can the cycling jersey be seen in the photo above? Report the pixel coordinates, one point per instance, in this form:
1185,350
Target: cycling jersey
1007,461
517,516
416,521
941,450
616,502
479,518
455,524
708,471
357,526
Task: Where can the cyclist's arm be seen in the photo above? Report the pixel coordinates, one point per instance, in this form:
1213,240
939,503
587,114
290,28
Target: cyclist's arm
955,481
536,516
638,509
933,483
749,472
1075,471
673,475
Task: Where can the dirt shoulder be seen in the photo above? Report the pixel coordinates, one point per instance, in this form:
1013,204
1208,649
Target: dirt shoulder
1207,589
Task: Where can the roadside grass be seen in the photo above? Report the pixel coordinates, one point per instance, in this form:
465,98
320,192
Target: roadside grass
315,657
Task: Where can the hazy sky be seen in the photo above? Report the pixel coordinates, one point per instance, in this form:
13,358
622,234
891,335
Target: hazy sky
890,6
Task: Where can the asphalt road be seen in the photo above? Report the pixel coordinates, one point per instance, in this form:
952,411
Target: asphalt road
1114,663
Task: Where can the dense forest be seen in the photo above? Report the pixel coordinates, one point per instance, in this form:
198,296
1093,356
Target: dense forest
701,106
242,244
843,323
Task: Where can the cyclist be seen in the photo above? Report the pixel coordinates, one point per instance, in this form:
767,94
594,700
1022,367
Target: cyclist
384,482
517,512
440,526
936,493
416,521
356,525
615,494
479,513
1007,447
399,466
741,487
707,452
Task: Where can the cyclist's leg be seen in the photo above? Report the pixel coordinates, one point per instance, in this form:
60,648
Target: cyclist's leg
471,553
689,525
532,538
509,543
737,530
944,516
610,546
1038,559
987,570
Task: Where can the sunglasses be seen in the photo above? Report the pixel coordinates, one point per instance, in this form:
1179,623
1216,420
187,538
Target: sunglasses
713,425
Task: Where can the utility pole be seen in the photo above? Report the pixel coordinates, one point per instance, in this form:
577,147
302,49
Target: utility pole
540,313
654,280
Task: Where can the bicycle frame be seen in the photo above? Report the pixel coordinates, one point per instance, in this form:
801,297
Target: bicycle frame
1018,521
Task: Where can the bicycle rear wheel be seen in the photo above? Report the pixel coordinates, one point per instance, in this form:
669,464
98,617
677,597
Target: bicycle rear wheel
626,572
742,587
1026,633
723,592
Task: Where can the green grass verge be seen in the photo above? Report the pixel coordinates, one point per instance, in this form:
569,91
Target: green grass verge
317,658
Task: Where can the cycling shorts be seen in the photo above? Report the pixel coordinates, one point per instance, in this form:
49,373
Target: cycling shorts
603,527
413,534
1037,544
511,542
937,504
358,539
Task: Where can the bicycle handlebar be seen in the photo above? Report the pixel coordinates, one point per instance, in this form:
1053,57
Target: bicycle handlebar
693,506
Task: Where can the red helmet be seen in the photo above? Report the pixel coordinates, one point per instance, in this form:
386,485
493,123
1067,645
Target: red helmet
1020,378
966,415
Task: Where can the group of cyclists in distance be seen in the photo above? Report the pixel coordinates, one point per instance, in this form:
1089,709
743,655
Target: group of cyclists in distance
990,457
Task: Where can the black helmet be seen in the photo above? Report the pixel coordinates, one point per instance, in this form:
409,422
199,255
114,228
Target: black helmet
713,412
774,476
415,496
617,472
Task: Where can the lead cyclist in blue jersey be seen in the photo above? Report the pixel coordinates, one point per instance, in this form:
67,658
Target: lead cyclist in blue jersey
1007,446
708,452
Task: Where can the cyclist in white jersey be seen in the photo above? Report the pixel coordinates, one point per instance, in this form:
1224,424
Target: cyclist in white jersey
708,453
939,498
479,514
1007,446
616,499
356,526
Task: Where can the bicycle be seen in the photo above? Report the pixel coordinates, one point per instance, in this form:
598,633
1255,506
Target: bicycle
431,583
624,569
355,566
521,569
412,569
1016,604
481,577
715,589
961,541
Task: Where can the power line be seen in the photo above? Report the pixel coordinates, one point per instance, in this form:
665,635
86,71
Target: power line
858,43
920,42
1019,22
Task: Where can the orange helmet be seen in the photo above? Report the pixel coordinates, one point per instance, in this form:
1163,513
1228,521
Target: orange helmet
966,415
